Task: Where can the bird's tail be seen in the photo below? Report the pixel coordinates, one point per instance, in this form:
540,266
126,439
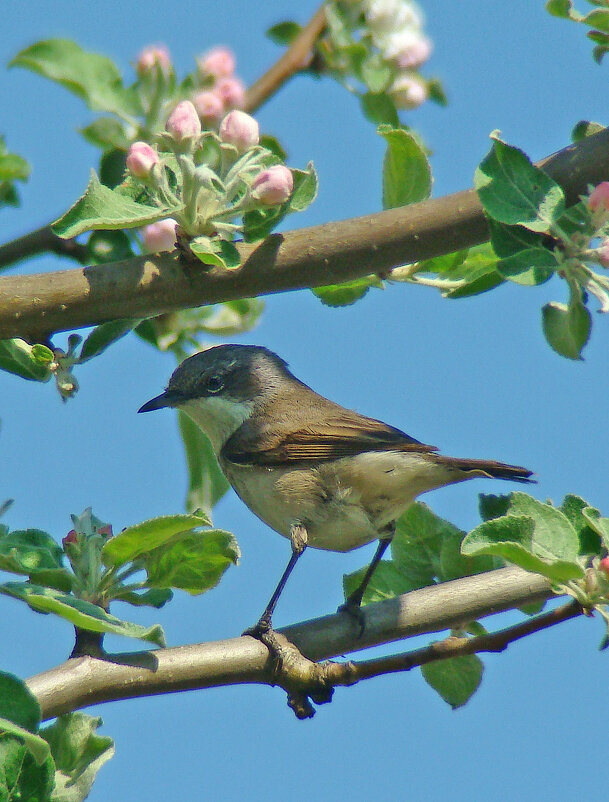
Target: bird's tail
485,467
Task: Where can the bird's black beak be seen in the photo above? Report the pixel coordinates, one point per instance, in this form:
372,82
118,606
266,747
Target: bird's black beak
161,401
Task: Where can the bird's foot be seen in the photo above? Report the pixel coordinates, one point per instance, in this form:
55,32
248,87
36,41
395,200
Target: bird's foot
263,626
353,609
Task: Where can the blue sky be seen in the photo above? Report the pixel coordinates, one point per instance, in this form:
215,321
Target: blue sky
474,377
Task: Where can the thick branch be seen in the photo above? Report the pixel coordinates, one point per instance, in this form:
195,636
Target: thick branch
37,305
85,681
295,58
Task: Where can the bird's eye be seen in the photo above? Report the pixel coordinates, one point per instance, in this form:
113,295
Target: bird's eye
214,384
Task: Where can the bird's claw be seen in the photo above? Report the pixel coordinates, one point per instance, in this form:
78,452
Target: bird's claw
354,610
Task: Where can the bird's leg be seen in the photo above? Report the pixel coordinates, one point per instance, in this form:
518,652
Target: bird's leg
354,600
298,537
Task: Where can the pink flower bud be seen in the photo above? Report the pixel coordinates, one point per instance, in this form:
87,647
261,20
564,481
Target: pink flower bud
160,236
408,92
219,62
183,122
273,185
209,106
599,197
240,130
232,92
152,56
71,537
603,252
604,565
414,54
141,158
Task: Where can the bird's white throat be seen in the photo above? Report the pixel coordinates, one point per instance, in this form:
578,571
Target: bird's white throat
219,418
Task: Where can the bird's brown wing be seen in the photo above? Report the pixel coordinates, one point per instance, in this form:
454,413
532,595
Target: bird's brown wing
343,435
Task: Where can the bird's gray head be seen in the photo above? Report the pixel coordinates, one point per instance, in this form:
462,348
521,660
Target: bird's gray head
234,373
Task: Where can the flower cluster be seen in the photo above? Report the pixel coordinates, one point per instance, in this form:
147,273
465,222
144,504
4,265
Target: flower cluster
222,89
396,29
206,179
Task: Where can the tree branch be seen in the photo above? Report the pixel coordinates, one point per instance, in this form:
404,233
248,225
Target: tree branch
297,57
35,306
42,240
84,681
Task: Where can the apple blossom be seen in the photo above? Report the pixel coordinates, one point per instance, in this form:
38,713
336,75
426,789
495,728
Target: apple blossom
141,158
231,91
239,129
209,106
151,56
273,185
599,197
408,91
219,62
183,122
385,16
159,236
603,252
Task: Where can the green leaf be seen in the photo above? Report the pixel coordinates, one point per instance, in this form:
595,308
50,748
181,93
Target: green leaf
511,537
104,335
492,506
101,207
284,33
386,583
573,508
455,679
90,76
417,544
346,293
18,357
27,551
406,170
454,564
554,537
598,19
376,73
585,128
476,269
530,267
109,246
35,744
380,108
12,166
155,597
436,93
514,191
106,132
78,752
136,540
305,189
510,240
192,561
259,223
80,613
567,328
206,482
21,778
562,8
216,252
598,524
274,145
112,166
17,703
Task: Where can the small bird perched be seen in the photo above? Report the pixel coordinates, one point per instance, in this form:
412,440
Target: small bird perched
315,472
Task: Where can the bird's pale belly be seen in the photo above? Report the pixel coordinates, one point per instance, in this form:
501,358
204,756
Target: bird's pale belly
343,504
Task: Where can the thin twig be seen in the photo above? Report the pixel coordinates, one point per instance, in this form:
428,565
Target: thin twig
296,58
42,240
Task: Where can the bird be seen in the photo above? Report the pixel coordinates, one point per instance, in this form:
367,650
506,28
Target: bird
317,473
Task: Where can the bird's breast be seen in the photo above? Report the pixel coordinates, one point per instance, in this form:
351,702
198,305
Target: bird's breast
343,504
